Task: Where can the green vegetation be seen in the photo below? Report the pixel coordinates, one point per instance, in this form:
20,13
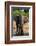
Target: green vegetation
20,12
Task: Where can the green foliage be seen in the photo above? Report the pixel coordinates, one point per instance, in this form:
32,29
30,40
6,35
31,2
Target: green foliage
20,12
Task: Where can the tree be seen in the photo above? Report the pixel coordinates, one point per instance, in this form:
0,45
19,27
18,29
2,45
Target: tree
20,12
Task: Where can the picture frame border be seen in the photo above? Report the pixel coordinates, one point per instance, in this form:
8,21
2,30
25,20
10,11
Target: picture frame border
7,22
